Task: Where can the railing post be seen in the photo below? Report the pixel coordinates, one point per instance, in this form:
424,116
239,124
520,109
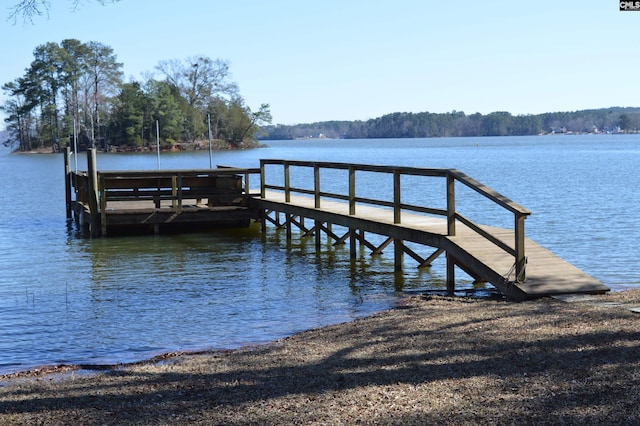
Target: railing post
262,178
451,205
176,192
398,252
396,197
316,184
287,183
352,190
352,210
520,251
103,204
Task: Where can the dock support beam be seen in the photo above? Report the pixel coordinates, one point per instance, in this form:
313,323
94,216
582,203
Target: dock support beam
451,277
352,243
92,174
317,229
398,254
521,260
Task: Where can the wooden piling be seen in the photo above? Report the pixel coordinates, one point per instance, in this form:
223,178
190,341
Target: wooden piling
92,173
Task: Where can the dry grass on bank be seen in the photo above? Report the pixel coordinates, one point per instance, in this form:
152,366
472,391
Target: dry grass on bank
432,361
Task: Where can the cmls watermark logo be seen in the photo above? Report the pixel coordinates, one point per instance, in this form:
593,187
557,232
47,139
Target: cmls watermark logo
630,5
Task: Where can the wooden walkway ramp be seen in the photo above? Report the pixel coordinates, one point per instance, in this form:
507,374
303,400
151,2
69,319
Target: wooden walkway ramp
485,253
546,273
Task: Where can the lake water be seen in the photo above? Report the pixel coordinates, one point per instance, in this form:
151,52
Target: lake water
69,299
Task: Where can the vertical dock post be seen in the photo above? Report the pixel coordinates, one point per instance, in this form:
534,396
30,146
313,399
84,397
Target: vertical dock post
287,183
263,213
352,243
316,191
262,178
398,252
102,206
316,185
67,180
352,210
451,277
451,230
451,205
521,260
92,174
316,233
352,190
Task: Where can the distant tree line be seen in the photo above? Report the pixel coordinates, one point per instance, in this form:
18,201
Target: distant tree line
426,125
74,91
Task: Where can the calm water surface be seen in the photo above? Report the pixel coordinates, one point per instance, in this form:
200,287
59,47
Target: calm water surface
67,299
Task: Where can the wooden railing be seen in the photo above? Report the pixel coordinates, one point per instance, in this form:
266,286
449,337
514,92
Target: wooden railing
452,215
224,186
96,189
218,186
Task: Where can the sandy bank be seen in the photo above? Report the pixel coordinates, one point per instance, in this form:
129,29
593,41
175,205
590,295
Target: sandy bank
434,360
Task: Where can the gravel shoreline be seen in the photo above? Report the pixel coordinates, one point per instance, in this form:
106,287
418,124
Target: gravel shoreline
432,360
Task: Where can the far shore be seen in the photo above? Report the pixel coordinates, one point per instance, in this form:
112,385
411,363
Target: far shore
431,360
218,145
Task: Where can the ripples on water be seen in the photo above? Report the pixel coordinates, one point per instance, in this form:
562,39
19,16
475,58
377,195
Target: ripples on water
67,299
123,299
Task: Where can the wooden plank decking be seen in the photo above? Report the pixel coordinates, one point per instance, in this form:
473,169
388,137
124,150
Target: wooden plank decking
546,273
119,215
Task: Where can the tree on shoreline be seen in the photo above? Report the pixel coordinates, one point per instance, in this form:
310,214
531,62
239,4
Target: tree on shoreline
75,91
65,91
199,80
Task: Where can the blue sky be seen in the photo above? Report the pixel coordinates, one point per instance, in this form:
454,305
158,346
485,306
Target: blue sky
356,59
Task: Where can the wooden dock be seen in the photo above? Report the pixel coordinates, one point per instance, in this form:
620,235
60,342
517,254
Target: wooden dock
514,264
157,201
128,202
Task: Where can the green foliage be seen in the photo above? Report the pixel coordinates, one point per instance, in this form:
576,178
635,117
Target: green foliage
77,88
625,122
128,115
66,88
238,122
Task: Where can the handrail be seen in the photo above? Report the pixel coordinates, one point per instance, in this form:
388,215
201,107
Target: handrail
451,175
173,185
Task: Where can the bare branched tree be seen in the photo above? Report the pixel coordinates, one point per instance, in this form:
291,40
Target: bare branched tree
28,9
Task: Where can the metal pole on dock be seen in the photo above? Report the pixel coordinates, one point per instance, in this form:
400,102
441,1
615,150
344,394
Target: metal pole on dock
75,143
67,180
210,143
158,142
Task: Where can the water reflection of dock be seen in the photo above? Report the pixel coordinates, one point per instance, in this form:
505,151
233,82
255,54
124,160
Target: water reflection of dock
165,200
